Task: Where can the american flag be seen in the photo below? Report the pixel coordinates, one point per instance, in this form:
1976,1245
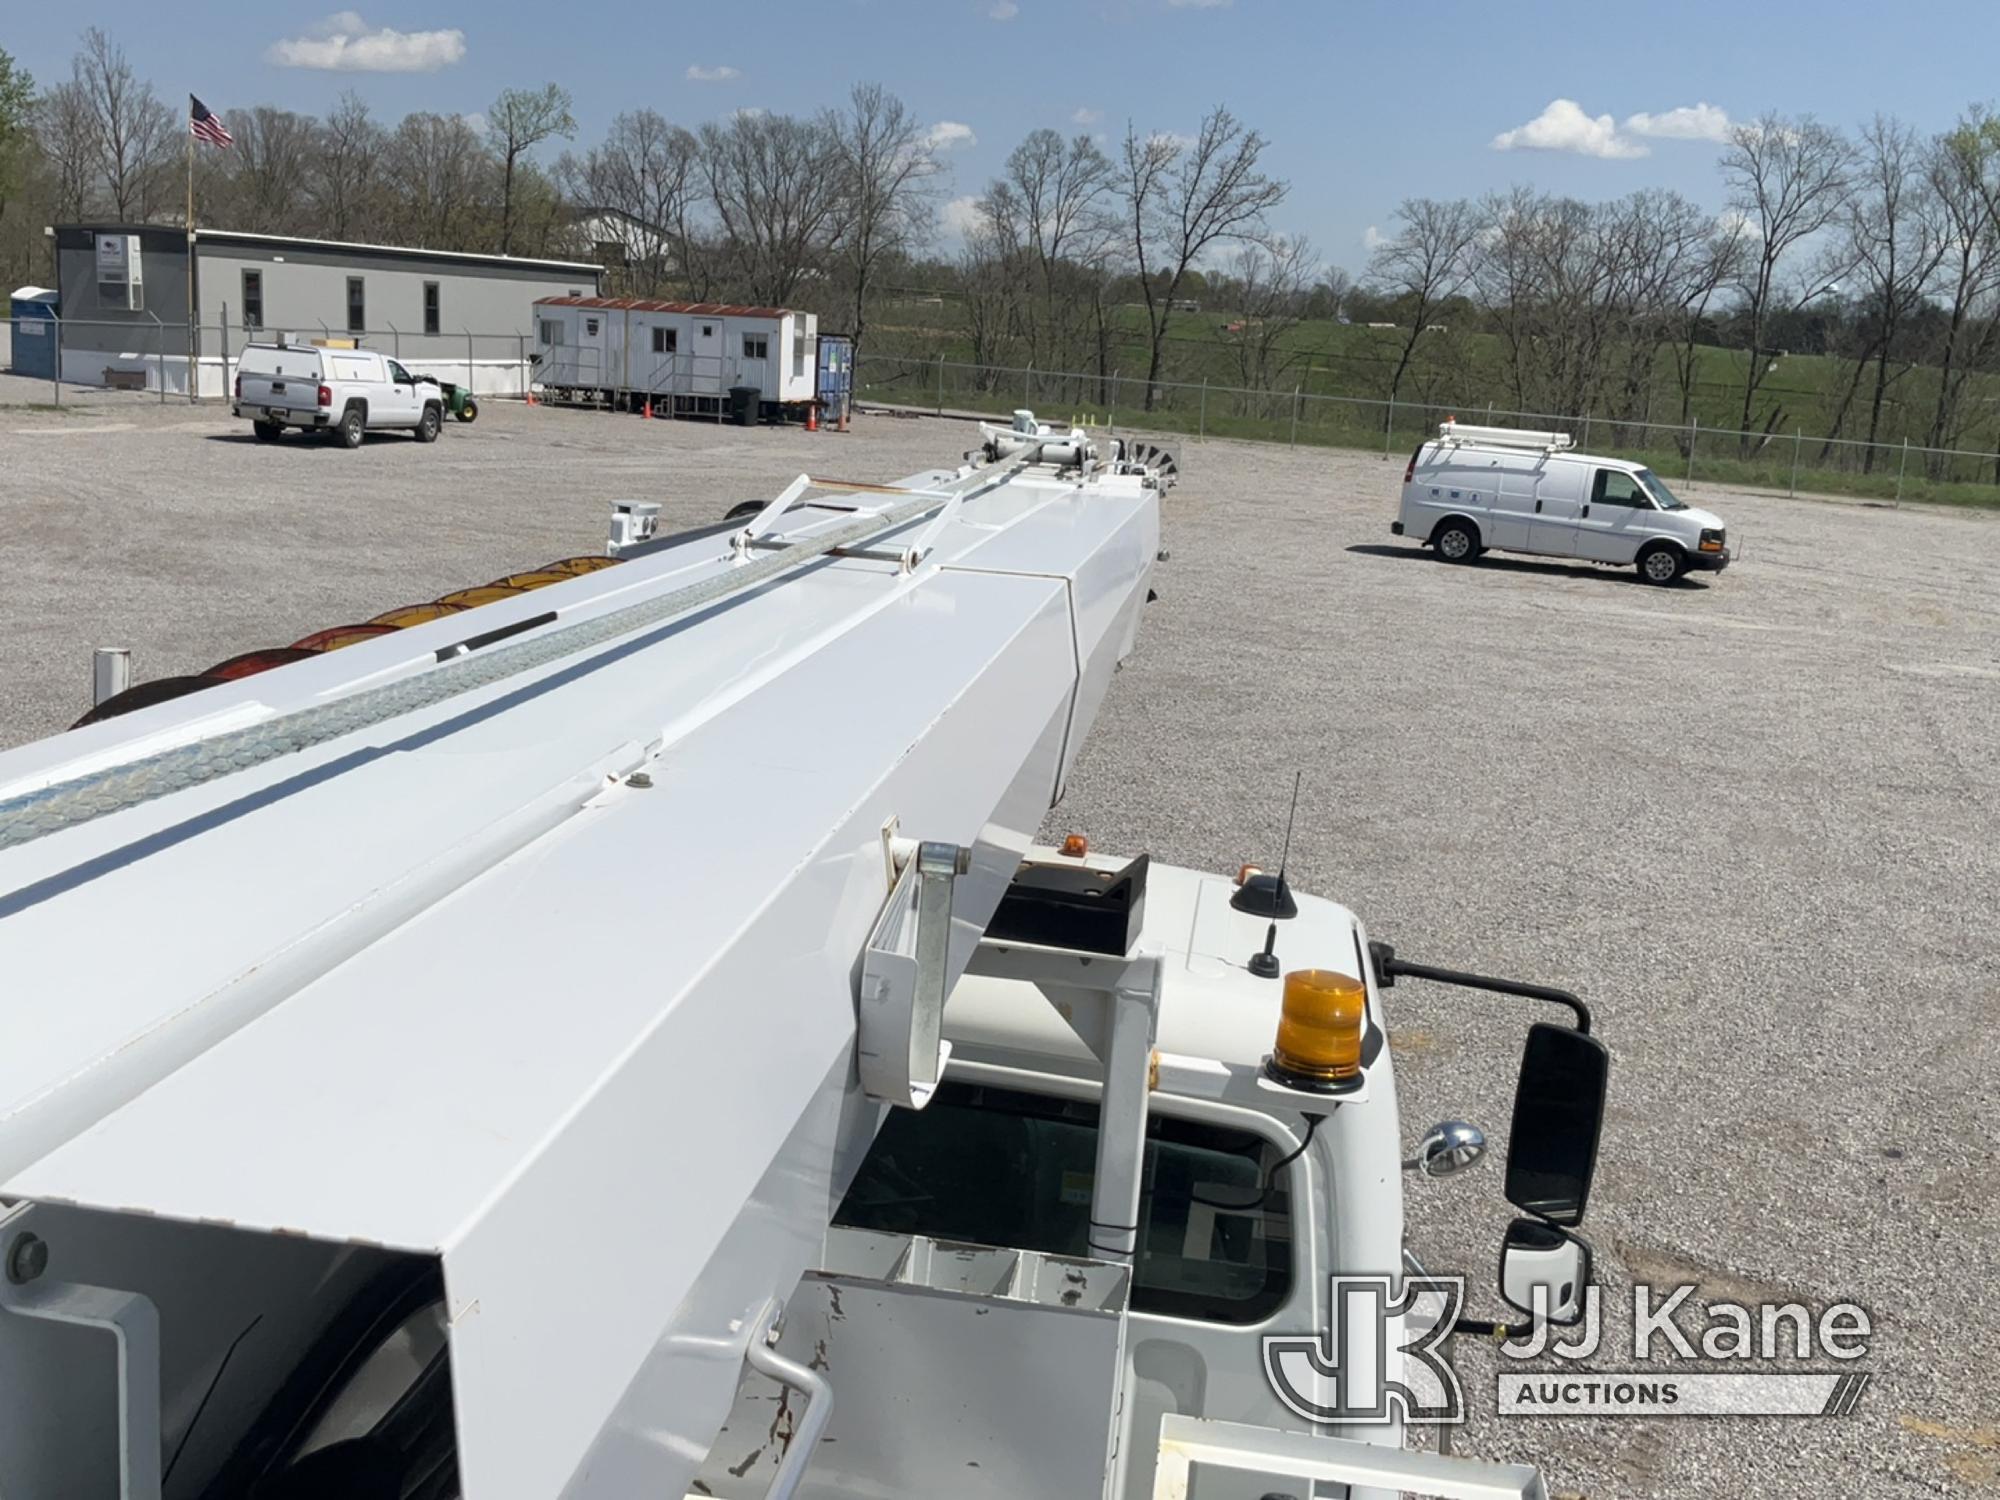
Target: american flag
205,125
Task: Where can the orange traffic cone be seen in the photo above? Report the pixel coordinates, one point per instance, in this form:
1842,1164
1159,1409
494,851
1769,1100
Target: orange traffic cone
812,417
531,395
648,412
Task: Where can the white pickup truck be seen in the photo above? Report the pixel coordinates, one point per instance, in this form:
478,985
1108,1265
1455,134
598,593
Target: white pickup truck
342,391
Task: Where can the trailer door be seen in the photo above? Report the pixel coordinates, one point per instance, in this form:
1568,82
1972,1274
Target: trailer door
706,366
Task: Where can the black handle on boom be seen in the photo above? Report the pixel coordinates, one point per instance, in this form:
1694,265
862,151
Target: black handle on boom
1388,968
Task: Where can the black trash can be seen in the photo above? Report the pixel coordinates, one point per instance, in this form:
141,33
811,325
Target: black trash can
743,405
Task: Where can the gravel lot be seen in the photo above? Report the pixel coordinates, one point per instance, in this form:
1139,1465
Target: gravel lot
1750,818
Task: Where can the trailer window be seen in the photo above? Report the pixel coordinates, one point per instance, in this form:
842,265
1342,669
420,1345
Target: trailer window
666,340
552,330
999,1167
433,313
253,299
798,352
755,346
357,306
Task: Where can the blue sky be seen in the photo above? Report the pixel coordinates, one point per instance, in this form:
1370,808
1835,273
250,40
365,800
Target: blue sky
1364,103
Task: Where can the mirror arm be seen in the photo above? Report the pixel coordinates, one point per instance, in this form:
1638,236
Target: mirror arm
1389,968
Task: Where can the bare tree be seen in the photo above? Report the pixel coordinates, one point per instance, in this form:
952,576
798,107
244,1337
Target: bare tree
261,176
1271,283
774,184
637,191
886,168
134,131
343,168
1891,242
439,174
519,121
1425,265
1058,189
1182,199
17,105
1788,179
66,128
1961,165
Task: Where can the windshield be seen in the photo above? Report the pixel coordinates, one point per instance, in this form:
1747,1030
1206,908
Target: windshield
1663,497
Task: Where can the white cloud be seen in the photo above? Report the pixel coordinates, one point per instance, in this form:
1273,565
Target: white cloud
1173,140
1563,126
1084,115
1373,239
344,43
749,112
948,135
722,74
960,216
1690,122
475,122
1003,10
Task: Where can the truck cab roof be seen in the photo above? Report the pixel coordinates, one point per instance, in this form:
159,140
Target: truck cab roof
1210,1007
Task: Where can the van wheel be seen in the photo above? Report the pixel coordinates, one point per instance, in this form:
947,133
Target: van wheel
1661,563
1456,541
269,432
428,423
352,425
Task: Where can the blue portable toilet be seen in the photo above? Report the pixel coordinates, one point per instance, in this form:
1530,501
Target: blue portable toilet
836,376
33,312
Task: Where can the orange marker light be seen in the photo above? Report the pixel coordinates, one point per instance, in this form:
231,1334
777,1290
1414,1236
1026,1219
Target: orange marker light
1319,1029
1243,875
1075,846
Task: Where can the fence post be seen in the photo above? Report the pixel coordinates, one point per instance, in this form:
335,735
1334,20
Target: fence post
940,400
1111,412
1201,429
1389,425
159,353
1694,432
1795,462
397,334
521,359
1899,472
55,375
1586,432
1295,416
1489,414
468,362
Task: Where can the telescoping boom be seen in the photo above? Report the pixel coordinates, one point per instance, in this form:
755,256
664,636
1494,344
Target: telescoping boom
529,966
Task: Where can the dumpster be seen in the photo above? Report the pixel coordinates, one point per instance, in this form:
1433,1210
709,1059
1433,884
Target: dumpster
743,404
32,311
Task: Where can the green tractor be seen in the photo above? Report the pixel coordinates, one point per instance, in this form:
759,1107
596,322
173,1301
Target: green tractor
458,402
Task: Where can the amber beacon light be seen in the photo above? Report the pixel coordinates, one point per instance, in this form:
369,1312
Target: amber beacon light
1319,1031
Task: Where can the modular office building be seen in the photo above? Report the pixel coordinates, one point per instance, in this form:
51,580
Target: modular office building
459,317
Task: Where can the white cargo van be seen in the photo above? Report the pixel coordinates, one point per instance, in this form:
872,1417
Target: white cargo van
338,390
1478,487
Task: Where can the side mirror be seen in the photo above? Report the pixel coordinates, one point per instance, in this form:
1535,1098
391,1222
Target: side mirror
1541,1263
1558,1115
1448,1148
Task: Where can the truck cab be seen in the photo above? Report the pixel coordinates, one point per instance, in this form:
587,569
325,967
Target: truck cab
1472,489
1252,1193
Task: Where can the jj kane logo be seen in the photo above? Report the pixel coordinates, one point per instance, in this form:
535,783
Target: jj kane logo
1384,1356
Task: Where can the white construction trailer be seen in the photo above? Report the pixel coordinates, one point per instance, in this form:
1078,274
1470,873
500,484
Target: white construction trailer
623,1040
676,358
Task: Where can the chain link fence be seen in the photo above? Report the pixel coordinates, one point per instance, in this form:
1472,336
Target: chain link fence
1786,462
173,362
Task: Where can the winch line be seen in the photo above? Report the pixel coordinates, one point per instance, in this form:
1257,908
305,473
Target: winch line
110,789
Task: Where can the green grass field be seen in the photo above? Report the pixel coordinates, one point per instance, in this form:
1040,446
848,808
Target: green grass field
1342,371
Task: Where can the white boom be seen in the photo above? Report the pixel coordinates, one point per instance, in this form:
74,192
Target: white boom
529,962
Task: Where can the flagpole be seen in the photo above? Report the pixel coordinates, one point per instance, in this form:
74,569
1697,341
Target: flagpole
190,256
